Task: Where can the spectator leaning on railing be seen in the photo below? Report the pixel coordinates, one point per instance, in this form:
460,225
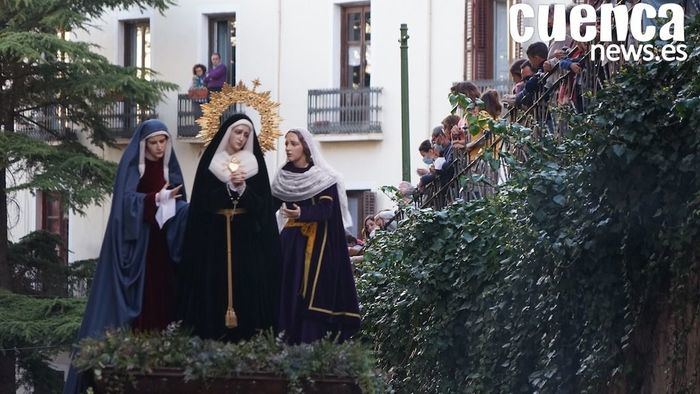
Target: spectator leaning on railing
368,227
466,88
444,168
570,89
216,77
517,77
198,91
526,72
536,55
555,49
515,73
451,125
385,220
429,155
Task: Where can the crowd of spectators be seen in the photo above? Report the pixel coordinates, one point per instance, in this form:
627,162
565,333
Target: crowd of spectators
455,144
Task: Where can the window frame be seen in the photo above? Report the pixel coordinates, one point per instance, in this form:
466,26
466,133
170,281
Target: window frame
130,27
363,9
212,20
45,214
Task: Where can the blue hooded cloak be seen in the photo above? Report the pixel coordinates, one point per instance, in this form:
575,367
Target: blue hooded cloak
117,289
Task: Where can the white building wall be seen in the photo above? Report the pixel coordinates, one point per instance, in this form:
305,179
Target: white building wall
21,214
293,46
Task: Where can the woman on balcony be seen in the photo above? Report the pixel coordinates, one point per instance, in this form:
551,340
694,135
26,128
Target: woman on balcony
198,92
232,224
318,295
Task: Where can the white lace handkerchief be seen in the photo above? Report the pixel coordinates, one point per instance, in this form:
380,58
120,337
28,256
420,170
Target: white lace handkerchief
166,208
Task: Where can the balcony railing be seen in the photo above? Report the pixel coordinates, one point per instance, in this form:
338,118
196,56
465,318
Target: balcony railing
344,111
501,86
52,122
188,111
122,117
541,112
49,123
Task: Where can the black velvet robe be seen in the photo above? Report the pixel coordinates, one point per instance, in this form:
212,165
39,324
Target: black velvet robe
202,284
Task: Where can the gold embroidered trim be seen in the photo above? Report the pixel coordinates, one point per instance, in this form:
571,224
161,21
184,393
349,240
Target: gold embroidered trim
308,229
313,289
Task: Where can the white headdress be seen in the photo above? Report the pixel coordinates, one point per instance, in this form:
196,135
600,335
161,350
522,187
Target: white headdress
166,156
291,186
245,156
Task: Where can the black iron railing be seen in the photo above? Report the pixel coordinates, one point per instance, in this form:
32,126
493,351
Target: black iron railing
344,111
189,110
543,113
53,122
49,123
122,117
501,86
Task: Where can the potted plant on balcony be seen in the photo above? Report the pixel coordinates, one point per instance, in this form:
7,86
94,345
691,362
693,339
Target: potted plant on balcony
199,94
175,362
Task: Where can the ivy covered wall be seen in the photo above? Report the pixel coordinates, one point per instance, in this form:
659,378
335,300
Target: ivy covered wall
566,280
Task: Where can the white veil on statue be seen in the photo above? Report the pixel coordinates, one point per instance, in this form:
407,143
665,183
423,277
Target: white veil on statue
245,156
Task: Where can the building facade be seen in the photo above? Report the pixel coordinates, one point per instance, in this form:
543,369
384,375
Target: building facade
332,64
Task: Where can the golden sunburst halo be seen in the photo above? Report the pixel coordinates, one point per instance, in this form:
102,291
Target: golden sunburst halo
219,102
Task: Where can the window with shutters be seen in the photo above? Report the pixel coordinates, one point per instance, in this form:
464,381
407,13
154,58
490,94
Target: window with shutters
123,115
468,40
488,49
482,39
354,107
501,41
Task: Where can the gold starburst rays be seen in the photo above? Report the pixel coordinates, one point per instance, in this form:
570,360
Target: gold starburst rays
220,102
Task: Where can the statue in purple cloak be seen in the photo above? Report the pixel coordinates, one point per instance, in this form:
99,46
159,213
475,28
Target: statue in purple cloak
318,295
134,283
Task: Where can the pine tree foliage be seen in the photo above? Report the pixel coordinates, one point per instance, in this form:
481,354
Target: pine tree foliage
32,330
32,322
40,69
70,169
43,71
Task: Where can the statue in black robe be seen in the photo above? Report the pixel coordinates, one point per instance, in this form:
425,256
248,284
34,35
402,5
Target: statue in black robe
255,251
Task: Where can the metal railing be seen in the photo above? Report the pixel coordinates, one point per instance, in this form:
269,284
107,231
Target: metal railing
344,111
543,113
501,86
53,123
122,117
189,110
49,123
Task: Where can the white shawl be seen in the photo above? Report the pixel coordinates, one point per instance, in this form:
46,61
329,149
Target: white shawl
293,186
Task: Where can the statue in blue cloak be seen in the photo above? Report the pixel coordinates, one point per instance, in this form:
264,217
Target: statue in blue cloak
142,237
